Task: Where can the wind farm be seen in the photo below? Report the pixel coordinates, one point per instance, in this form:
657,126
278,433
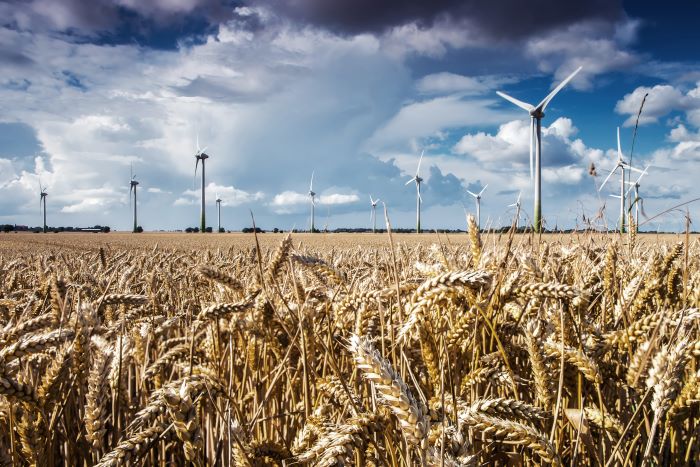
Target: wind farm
524,289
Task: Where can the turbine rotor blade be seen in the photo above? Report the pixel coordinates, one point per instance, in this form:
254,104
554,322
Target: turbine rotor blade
543,105
607,178
619,148
311,185
627,166
474,195
411,180
484,188
513,100
419,162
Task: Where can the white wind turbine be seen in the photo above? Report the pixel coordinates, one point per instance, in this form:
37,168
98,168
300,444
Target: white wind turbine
637,199
516,205
132,187
218,208
536,115
200,155
622,165
419,200
42,197
477,197
373,213
312,195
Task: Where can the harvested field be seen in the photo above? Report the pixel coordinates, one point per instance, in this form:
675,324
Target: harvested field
169,349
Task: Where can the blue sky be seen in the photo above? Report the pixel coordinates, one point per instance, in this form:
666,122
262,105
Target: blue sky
350,89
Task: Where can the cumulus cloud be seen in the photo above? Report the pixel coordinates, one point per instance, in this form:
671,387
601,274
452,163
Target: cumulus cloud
289,202
229,195
662,99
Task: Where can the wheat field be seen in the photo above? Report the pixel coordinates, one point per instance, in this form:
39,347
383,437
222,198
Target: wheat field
443,351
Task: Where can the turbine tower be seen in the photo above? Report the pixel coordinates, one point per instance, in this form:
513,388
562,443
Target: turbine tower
477,197
42,197
637,199
200,155
218,208
419,200
536,115
132,187
373,213
622,165
312,195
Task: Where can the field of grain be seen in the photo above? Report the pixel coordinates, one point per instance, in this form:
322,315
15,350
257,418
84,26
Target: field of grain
167,349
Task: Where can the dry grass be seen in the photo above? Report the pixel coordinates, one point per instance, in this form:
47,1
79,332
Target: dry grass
335,350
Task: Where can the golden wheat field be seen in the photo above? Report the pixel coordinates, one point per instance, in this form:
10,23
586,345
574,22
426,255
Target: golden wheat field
165,349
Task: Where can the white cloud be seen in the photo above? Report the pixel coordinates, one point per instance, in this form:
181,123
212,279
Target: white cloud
597,46
662,100
337,198
229,195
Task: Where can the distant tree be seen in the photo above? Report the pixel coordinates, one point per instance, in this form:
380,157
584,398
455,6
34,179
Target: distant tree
276,230
209,230
7,228
222,230
189,230
139,229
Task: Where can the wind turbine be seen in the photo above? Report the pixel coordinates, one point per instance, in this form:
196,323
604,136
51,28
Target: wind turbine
132,187
637,198
516,205
312,195
42,197
536,115
622,165
200,155
477,197
419,200
373,213
218,207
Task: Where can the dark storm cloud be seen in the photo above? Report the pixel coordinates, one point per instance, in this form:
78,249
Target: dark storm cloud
502,19
159,24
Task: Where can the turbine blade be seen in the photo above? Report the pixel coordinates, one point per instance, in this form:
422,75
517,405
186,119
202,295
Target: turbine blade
627,166
615,196
411,180
619,148
513,100
630,190
550,96
371,201
202,151
644,172
607,178
311,185
198,150
532,147
484,188
376,201
419,162
474,195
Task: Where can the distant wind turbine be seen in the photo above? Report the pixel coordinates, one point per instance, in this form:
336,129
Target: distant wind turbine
200,155
622,165
536,115
218,208
477,197
373,213
42,197
637,199
312,195
132,187
516,205
419,200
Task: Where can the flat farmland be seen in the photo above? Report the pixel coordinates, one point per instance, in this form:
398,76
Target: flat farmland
333,349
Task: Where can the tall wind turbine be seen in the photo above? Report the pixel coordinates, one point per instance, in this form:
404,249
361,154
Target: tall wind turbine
536,115
477,197
373,214
132,187
419,200
218,208
637,199
312,195
622,165
42,197
200,155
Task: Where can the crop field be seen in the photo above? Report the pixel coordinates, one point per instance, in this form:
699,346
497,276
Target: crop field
349,349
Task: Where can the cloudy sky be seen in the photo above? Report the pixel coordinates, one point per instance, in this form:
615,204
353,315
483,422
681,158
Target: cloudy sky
350,89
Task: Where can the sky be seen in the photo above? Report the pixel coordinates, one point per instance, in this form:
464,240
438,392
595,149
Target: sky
351,90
